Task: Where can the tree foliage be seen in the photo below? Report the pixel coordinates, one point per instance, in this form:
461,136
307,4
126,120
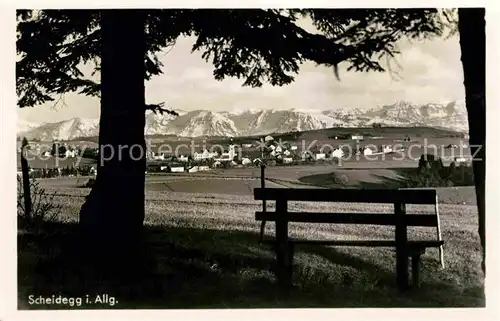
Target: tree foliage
255,45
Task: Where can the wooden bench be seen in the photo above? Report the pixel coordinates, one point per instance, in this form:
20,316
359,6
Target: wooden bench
284,246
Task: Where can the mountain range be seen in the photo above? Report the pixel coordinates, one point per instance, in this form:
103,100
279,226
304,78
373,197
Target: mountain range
452,115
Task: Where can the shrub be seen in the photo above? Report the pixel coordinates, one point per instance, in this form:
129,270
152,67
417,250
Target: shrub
43,208
432,173
90,183
341,180
270,162
461,175
430,162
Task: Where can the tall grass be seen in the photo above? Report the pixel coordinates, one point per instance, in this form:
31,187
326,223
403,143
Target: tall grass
203,252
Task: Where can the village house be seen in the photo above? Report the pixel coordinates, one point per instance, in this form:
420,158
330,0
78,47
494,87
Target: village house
232,151
386,149
307,155
70,153
356,137
257,161
367,151
287,160
227,155
337,153
195,169
159,157
175,168
204,155
320,156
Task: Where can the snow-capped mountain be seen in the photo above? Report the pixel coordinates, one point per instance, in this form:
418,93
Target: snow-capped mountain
158,123
65,130
197,123
452,115
24,125
280,121
345,116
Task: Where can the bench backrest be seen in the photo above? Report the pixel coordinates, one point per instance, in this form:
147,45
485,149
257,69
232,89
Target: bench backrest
392,196
398,197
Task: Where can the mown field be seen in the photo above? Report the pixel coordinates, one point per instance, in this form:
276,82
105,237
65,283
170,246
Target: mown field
205,253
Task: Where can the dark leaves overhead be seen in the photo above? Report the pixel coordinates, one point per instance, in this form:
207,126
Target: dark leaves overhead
255,45
52,47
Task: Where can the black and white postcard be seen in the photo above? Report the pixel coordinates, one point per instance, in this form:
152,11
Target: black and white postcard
248,158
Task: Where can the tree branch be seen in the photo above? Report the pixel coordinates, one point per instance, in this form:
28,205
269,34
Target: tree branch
158,108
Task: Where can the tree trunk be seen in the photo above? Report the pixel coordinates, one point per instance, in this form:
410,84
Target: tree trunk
472,31
112,217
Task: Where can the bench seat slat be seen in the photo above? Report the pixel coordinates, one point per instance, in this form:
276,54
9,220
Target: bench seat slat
349,218
380,196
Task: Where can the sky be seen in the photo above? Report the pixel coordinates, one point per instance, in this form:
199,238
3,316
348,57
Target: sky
429,71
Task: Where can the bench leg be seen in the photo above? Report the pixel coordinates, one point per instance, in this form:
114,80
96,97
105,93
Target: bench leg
402,269
283,254
402,265
283,248
415,270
